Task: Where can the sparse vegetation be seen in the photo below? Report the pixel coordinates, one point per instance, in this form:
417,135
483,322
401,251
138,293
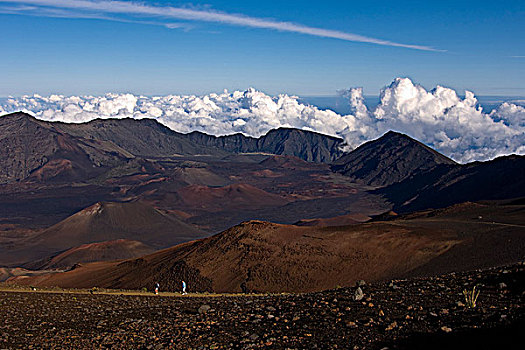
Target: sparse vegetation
471,297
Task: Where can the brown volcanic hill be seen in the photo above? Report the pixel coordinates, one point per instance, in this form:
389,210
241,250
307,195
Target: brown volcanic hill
102,251
110,221
392,158
501,178
260,256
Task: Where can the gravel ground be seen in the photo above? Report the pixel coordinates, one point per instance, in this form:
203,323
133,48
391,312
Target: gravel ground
419,313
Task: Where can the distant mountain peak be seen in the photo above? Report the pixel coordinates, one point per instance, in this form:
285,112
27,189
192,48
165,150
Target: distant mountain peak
392,133
17,116
391,158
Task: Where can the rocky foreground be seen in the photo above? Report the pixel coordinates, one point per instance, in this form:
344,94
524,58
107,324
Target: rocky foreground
427,313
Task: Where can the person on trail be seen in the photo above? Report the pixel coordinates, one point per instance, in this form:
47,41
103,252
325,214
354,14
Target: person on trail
183,288
157,286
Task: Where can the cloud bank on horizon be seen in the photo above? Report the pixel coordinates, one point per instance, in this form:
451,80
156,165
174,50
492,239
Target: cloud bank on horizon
103,9
457,127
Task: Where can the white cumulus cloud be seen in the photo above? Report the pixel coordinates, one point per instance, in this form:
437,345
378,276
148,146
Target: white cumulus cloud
455,126
458,127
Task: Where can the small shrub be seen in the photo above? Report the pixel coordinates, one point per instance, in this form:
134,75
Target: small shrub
471,297
145,290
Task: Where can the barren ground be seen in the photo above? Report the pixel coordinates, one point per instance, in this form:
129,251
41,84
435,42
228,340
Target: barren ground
418,313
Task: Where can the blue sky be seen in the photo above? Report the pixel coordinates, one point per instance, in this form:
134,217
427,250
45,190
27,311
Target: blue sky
295,47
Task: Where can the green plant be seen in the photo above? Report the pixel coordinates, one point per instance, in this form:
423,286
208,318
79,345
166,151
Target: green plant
471,297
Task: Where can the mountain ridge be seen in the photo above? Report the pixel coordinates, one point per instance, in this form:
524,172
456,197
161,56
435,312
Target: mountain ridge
310,146
392,158
148,138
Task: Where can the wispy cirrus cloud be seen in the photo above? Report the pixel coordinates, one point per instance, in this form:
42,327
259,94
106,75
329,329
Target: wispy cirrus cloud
106,7
37,11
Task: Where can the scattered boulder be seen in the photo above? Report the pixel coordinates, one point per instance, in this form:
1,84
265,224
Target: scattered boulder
358,295
446,329
360,283
393,286
204,309
391,326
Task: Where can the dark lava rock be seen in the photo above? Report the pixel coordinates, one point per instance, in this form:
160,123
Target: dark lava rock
204,309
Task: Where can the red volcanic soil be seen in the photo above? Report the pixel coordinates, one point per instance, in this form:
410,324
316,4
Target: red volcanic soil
265,257
199,176
52,169
266,173
241,196
103,251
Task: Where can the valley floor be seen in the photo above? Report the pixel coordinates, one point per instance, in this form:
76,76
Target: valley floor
424,313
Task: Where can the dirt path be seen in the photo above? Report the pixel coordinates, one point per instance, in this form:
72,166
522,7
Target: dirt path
12,289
